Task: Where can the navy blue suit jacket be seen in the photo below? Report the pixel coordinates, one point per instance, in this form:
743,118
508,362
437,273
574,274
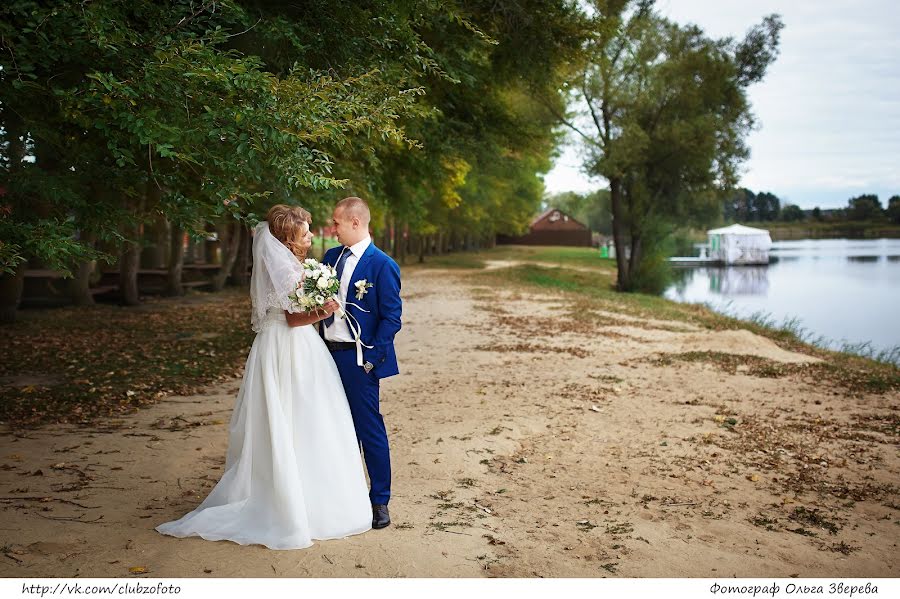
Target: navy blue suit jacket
382,300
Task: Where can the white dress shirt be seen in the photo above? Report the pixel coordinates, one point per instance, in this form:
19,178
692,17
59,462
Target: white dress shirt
338,330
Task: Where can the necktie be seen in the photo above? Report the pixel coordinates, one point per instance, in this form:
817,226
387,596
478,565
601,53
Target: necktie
339,268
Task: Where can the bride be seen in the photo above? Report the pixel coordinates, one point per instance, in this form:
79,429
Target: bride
293,471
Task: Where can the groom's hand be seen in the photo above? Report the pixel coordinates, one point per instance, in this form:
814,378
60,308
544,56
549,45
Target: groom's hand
330,307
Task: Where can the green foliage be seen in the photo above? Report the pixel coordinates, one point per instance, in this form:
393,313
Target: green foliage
864,207
203,112
50,241
653,272
893,209
146,107
670,116
792,213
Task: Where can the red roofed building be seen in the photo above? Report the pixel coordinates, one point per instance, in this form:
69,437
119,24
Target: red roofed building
552,227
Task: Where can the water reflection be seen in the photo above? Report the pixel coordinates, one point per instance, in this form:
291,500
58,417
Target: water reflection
845,290
739,281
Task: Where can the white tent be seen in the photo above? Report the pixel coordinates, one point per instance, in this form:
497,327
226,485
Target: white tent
737,244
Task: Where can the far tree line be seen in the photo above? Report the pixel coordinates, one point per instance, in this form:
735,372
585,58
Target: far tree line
746,206
743,206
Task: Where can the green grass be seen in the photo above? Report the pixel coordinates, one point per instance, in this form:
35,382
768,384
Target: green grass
572,256
454,261
562,256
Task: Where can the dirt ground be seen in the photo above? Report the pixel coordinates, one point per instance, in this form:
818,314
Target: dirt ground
524,443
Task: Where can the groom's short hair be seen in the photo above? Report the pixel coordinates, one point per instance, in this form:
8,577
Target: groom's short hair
354,206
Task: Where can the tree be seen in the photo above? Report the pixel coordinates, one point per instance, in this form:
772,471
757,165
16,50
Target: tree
817,213
669,116
136,109
487,136
893,209
738,205
864,207
792,213
767,206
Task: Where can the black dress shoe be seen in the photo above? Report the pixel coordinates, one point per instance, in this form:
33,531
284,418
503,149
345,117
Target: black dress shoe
380,516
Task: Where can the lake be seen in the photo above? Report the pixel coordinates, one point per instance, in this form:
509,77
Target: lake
845,290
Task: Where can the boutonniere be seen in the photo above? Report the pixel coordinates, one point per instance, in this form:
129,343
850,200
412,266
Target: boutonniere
362,288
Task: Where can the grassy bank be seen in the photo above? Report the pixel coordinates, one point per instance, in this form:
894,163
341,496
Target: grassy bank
590,280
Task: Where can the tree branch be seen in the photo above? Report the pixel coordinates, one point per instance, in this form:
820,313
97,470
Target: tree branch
562,119
177,25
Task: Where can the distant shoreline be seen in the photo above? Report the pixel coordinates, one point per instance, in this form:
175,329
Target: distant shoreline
826,230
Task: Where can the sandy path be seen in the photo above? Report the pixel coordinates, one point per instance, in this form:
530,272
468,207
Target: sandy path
522,446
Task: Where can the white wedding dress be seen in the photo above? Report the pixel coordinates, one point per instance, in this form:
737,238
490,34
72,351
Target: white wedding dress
293,471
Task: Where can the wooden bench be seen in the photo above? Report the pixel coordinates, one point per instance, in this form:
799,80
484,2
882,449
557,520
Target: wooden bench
100,290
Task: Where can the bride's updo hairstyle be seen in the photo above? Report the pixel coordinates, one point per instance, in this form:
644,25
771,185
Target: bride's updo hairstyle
287,224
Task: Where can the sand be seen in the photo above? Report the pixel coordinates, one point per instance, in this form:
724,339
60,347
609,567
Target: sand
524,444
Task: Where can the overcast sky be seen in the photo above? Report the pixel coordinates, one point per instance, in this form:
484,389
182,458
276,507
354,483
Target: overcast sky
828,110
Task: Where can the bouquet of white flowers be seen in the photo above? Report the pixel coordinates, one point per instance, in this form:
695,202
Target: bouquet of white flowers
320,283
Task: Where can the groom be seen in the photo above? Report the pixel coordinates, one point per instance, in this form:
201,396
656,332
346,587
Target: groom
371,280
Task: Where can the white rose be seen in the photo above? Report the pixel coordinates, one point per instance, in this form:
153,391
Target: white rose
322,283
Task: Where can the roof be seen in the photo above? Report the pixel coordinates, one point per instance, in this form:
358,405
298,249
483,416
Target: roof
737,229
546,213
541,216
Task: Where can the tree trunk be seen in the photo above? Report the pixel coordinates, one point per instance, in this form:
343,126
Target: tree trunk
242,263
422,241
157,235
623,280
11,293
176,261
229,242
129,264
402,240
635,259
130,260
392,239
190,254
80,285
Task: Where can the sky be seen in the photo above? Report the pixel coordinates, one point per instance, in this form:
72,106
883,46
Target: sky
828,110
